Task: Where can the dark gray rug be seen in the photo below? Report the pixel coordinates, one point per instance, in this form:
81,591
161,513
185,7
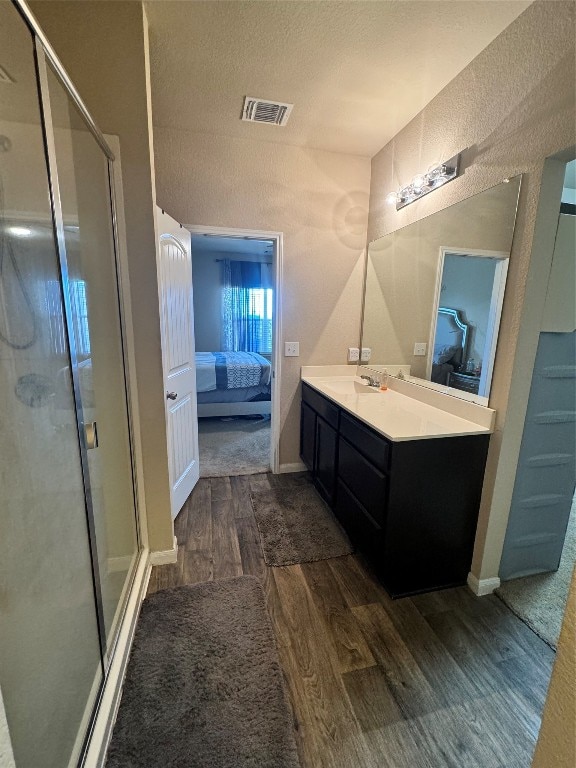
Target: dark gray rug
296,526
204,687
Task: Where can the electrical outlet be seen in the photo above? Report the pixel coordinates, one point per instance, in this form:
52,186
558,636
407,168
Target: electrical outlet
420,348
291,348
365,354
353,354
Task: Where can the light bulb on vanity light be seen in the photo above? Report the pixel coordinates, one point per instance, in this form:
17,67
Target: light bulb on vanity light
391,198
418,182
436,173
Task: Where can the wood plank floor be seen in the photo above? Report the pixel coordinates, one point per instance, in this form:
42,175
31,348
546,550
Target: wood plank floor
444,679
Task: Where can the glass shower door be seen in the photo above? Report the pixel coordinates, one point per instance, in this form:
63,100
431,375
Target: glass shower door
91,284
50,659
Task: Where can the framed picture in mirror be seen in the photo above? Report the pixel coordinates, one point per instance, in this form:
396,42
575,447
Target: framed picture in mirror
434,292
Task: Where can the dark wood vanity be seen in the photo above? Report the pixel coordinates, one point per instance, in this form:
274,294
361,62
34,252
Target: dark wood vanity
410,506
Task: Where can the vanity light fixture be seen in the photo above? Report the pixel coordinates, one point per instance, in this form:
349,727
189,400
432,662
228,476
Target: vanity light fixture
424,183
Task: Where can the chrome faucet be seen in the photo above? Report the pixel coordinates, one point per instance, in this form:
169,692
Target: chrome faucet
372,382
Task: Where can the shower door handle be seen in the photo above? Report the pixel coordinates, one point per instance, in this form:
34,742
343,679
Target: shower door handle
91,430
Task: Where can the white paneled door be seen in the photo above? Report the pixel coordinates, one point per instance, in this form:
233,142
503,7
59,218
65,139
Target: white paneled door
177,324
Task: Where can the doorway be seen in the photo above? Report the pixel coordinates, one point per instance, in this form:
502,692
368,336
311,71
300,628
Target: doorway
466,318
236,283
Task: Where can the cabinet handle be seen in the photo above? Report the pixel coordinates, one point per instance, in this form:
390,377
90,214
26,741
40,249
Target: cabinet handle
171,395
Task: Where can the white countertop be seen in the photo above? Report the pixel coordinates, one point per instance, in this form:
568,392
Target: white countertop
395,415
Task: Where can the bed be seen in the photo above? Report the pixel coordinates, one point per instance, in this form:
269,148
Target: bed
233,383
450,344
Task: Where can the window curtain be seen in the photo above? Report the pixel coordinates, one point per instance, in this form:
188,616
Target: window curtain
246,307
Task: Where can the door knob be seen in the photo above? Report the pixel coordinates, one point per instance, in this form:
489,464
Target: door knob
171,395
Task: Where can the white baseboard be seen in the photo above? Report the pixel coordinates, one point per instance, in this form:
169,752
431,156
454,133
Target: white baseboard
110,700
163,557
482,587
298,466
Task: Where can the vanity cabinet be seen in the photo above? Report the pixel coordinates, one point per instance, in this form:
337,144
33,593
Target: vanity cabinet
410,506
319,440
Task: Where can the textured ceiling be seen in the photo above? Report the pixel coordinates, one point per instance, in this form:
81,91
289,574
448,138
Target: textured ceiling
232,245
356,71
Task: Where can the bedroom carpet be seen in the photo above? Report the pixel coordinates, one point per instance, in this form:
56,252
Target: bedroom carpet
240,446
296,526
540,600
204,688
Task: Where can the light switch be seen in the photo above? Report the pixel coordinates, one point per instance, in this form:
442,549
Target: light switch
291,348
420,348
365,354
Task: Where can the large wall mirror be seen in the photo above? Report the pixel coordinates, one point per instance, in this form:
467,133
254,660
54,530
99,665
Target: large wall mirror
434,293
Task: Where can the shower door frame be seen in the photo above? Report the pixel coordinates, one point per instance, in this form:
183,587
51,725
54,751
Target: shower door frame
93,738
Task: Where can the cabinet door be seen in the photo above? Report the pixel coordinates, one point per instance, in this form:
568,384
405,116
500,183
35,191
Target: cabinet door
326,443
308,436
363,480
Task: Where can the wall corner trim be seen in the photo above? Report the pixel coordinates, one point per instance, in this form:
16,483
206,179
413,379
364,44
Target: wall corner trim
482,587
163,557
298,466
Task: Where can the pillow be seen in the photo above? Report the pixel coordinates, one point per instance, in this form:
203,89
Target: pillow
443,353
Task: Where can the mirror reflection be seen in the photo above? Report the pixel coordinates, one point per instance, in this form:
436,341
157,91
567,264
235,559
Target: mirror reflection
434,293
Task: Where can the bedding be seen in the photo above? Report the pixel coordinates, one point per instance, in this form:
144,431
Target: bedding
444,353
205,372
239,395
441,373
225,371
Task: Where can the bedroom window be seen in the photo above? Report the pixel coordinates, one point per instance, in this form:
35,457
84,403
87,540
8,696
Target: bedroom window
260,301
247,307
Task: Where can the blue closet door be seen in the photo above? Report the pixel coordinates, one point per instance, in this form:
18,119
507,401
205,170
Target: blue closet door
546,473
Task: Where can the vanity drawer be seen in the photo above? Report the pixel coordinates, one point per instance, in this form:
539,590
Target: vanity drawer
367,483
363,531
321,405
371,445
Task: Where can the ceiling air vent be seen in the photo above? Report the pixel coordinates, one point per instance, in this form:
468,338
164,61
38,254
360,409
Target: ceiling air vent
264,111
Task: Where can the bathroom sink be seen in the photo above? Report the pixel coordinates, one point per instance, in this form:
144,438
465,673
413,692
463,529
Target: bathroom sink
350,388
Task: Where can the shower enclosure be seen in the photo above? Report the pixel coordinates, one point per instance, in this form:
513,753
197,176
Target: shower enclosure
68,527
